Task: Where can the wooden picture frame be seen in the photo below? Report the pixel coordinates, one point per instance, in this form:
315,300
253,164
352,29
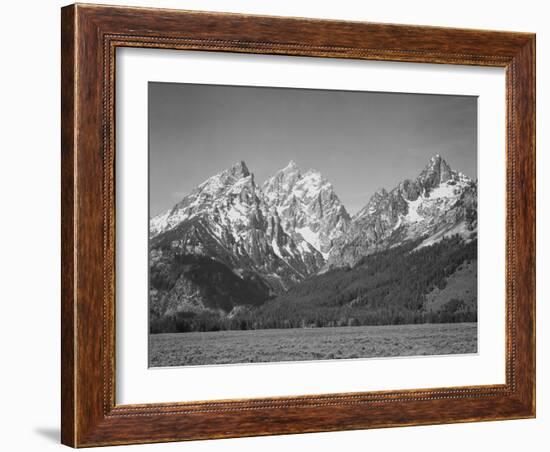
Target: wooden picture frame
90,35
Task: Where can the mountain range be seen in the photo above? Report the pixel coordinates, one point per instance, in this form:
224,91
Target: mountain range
232,246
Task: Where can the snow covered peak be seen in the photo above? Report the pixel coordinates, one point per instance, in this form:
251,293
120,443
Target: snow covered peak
218,184
307,206
239,169
227,218
436,172
437,203
291,166
374,203
278,186
312,181
436,161
287,180
235,185
436,180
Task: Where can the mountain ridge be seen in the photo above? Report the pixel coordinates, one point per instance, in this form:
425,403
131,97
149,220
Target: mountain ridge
273,236
438,201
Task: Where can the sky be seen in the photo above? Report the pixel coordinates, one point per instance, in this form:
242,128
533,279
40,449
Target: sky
359,141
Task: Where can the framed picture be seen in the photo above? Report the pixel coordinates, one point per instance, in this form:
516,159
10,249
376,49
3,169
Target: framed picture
281,225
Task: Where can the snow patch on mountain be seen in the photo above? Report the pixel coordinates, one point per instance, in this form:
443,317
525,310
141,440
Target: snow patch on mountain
412,215
227,218
312,238
460,229
307,205
295,223
440,202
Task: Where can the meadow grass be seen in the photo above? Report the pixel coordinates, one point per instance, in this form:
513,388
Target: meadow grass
304,344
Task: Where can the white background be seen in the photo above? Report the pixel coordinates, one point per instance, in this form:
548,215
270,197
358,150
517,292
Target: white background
29,389
137,384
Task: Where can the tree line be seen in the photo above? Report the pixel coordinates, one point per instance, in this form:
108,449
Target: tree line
385,288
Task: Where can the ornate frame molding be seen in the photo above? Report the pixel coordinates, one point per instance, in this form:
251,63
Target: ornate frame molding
90,37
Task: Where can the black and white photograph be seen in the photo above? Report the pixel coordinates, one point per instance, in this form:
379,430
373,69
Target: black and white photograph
275,226
292,224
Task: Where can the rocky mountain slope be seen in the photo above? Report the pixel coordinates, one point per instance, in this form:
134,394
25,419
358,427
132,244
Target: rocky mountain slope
307,205
231,244
399,285
227,219
440,202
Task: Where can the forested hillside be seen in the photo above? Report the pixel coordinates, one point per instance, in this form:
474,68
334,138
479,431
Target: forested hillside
388,287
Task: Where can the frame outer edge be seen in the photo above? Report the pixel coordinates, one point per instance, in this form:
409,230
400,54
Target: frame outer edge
86,420
68,215
525,62
534,225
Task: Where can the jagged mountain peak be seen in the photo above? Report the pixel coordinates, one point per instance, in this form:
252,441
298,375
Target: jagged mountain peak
238,173
438,203
307,205
313,173
284,178
436,172
288,178
233,186
292,165
239,169
270,238
304,206
227,219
